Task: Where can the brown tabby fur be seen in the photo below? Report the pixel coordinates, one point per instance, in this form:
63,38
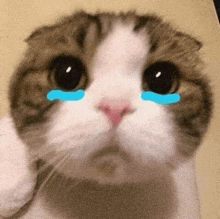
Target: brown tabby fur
79,35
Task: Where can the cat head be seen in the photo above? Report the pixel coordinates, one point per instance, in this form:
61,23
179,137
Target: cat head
112,135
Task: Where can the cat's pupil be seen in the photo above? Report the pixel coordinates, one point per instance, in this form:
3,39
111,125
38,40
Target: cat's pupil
160,77
68,72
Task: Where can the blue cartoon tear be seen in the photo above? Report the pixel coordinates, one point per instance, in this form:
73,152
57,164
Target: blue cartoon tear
55,95
166,99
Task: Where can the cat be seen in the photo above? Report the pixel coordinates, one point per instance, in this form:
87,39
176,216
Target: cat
112,154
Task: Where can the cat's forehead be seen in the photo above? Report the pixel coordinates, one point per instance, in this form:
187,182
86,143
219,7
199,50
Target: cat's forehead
113,40
123,47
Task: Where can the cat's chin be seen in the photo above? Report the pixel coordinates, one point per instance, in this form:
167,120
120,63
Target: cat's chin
114,167
119,168
109,169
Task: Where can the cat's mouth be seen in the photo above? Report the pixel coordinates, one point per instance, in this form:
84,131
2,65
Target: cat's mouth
109,161
107,165
111,151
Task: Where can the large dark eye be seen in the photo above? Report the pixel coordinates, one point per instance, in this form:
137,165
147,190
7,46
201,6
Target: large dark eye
68,72
161,78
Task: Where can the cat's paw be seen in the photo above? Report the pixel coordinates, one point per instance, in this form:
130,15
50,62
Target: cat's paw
16,188
17,176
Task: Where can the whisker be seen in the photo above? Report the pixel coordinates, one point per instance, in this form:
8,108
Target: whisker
69,180
61,162
60,167
51,162
46,151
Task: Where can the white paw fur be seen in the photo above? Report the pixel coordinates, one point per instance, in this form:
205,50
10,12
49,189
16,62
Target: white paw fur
17,178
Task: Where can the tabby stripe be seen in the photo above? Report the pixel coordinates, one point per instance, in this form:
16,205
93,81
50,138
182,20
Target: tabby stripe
206,93
36,106
142,22
96,19
39,117
80,39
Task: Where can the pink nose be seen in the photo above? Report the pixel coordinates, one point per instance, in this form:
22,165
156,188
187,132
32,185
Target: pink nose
115,110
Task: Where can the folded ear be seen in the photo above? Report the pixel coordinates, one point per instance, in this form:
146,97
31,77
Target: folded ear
187,39
17,174
39,33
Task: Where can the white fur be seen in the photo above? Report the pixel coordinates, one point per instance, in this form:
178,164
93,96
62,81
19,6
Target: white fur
17,177
146,134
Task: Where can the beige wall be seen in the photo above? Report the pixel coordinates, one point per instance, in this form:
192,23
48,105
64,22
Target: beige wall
19,18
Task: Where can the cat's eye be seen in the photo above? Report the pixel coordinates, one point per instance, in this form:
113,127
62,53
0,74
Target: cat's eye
161,78
68,72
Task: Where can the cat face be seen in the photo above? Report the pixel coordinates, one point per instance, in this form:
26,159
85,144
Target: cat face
112,135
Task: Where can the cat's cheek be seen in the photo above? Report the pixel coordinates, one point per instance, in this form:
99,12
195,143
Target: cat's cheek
149,133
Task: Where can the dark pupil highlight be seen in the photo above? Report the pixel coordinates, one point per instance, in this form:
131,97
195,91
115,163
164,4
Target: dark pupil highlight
160,77
68,72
